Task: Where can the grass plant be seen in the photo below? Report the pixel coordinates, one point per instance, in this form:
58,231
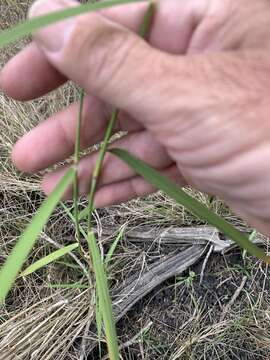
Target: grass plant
13,265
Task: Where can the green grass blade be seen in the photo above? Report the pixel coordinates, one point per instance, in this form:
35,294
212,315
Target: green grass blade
83,214
147,21
72,217
104,300
68,264
29,26
49,259
99,324
77,150
162,183
27,240
113,247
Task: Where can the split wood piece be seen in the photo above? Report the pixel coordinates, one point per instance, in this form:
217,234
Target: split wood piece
181,236
136,287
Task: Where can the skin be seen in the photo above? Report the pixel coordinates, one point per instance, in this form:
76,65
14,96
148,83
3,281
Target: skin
194,100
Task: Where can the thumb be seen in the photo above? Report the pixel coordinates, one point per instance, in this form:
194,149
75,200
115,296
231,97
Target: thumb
104,58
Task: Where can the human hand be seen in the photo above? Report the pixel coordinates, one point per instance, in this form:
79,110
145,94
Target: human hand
194,101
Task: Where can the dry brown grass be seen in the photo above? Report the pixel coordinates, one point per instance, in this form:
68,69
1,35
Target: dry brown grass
181,319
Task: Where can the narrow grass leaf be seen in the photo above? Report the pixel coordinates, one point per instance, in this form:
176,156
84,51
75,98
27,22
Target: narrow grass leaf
105,304
68,264
162,183
77,150
29,26
49,259
98,323
72,217
83,214
27,240
113,247
147,20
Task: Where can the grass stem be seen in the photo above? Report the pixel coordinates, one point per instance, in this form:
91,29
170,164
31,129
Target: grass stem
144,29
98,166
103,295
76,164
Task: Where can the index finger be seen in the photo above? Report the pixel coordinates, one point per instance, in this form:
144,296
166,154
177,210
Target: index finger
29,74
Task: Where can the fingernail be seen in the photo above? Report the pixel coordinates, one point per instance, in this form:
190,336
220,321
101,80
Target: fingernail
52,38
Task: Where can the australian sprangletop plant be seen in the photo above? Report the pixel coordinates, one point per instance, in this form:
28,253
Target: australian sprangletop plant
13,265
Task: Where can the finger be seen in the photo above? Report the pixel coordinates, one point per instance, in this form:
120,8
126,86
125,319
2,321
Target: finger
29,75
105,51
132,188
54,139
141,144
166,22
